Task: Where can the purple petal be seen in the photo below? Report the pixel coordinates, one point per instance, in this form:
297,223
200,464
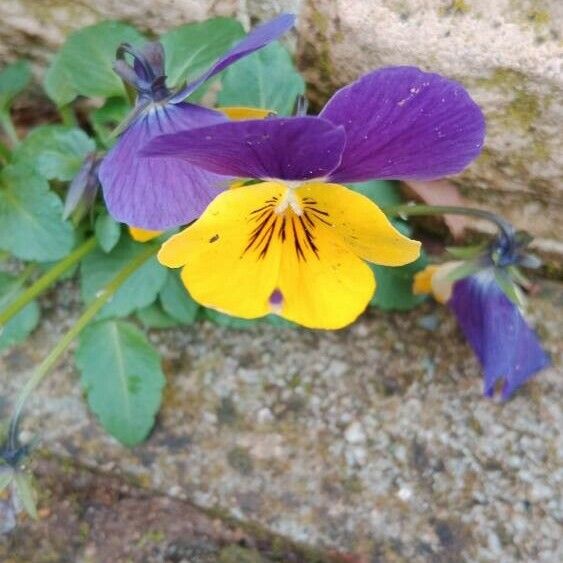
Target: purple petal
505,345
403,123
292,148
158,194
259,37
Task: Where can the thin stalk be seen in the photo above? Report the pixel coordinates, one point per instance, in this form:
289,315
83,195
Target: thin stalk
408,210
4,153
89,313
67,115
46,280
8,126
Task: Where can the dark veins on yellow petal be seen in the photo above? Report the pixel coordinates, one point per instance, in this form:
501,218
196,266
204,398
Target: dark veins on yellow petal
297,230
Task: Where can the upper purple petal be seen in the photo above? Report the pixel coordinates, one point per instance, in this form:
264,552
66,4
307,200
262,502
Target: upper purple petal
259,37
506,346
403,123
292,148
158,194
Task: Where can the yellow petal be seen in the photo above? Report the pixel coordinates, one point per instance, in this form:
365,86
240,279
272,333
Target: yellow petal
325,289
143,235
241,113
422,284
363,226
226,267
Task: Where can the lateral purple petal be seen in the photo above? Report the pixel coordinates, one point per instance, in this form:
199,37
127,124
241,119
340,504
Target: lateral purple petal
403,123
158,194
259,37
292,148
506,346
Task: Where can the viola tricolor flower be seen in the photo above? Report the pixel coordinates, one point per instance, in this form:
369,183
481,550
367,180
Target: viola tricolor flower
295,243
507,348
158,195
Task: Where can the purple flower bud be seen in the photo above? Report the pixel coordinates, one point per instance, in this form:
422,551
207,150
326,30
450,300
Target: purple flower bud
84,186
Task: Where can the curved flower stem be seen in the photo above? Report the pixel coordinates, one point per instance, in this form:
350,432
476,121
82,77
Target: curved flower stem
8,125
89,313
46,280
408,210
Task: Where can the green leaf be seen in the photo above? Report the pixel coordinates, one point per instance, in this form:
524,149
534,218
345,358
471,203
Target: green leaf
6,477
108,117
466,252
176,301
394,286
122,378
382,192
139,291
192,48
107,232
266,79
24,490
55,151
13,79
228,321
18,327
31,224
154,317
84,64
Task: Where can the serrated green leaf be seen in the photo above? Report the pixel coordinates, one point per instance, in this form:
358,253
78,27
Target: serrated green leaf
192,48
14,78
176,301
55,151
122,377
84,63
394,286
107,232
6,477
18,327
266,79
24,490
154,317
382,192
138,292
31,224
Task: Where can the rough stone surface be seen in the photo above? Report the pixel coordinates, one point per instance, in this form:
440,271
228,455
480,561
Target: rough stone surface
508,53
373,440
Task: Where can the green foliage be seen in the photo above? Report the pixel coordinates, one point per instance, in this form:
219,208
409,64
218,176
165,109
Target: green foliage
190,49
227,321
382,192
176,301
18,327
6,477
24,490
84,64
55,151
266,79
394,286
107,232
138,292
31,224
122,378
154,317
108,117
13,79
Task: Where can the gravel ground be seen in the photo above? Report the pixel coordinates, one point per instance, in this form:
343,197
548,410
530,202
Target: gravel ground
373,441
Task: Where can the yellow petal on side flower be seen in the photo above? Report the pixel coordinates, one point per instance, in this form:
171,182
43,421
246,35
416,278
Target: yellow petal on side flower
363,226
326,289
224,269
242,113
143,235
422,284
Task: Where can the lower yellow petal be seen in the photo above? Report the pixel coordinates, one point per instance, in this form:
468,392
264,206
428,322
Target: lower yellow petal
143,235
223,268
361,224
241,113
434,279
422,284
326,289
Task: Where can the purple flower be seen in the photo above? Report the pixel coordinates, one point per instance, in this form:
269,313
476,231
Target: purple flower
164,193
506,346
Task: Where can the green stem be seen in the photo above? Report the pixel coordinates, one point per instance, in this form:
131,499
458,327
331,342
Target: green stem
46,280
4,153
8,126
89,313
408,210
68,116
